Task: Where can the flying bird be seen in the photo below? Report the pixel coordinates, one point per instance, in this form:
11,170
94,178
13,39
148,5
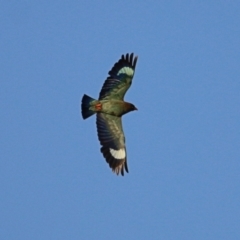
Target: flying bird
109,108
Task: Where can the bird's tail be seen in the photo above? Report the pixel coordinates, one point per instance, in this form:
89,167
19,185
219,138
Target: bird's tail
87,109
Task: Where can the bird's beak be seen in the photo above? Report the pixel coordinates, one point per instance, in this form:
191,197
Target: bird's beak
135,108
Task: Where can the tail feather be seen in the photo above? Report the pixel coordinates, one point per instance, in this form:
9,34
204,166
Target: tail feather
86,105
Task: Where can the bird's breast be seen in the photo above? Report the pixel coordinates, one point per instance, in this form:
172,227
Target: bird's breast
113,107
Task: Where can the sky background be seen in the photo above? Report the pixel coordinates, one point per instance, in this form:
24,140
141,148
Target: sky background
183,143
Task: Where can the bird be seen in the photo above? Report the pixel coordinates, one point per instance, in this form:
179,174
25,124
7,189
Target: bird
109,109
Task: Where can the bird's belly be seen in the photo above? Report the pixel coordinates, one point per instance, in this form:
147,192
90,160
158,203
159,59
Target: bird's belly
112,108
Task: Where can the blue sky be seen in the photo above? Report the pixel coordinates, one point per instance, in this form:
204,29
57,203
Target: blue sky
183,143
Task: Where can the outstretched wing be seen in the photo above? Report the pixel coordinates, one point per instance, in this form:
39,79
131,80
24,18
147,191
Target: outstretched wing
120,78
111,137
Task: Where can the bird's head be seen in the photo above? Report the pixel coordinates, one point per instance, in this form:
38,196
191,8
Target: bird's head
132,107
128,107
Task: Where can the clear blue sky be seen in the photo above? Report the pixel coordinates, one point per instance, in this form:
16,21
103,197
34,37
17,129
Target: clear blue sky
183,143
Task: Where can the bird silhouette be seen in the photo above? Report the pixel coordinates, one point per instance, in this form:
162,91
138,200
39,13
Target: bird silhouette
109,108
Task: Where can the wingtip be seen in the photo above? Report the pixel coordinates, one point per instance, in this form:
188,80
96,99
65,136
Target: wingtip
135,61
118,166
130,58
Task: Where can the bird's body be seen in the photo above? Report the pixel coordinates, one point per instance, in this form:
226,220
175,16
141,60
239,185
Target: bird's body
110,107
113,107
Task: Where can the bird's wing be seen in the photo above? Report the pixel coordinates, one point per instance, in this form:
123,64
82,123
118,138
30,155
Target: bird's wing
111,137
119,79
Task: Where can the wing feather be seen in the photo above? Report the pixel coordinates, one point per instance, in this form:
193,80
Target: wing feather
111,137
119,79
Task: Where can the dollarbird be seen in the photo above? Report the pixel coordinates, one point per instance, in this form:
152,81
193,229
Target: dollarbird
109,108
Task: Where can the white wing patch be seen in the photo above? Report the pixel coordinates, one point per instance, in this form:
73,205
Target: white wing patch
126,70
118,154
